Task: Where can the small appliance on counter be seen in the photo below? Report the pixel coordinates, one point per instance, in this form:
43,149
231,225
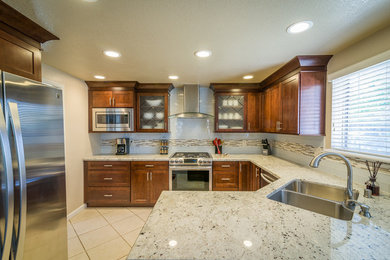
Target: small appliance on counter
266,147
122,146
164,147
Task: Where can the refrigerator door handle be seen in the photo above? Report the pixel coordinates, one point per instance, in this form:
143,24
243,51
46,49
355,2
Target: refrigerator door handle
17,131
9,215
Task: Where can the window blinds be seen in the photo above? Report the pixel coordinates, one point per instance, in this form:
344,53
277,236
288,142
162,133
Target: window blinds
361,111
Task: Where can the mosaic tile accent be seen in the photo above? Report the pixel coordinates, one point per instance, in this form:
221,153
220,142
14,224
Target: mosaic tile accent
311,151
302,149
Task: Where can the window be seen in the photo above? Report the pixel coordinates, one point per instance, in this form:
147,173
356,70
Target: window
361,111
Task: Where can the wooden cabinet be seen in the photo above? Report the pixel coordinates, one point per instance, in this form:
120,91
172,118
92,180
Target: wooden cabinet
294,97
271,109
107,183
266,178
153,108
253,115
245,176
225,176
20,43
255,177
148,180
106,94
289,105
237,107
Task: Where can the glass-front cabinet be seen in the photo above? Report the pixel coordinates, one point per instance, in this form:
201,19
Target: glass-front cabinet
152,112
231,112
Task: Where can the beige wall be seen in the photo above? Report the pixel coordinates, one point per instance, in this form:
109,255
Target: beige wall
367,52
77,144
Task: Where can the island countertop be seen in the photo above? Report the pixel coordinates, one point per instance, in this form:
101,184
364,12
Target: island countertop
248,225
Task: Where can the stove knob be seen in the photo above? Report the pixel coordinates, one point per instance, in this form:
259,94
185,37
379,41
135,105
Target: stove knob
176,160
200,161
172,161
181,160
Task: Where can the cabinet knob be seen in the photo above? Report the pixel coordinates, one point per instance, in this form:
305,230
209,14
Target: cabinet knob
107,179
225,166
110,101
225,179
107,165
149,165
108,195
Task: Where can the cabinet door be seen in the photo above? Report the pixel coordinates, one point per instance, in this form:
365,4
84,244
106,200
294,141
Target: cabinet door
271,108
122,98
152,115
244,179
159,181
253,124
289,100
255,178
101,98
139,187
230,111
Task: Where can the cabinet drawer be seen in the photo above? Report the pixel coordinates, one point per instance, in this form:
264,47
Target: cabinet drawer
108,196
160,165
225,166
225,180
103,178
109,166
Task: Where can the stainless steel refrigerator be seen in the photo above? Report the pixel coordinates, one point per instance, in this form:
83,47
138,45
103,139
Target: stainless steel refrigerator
33,206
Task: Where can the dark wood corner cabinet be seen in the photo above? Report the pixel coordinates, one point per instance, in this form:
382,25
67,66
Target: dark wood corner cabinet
113,183
239,176
20,43
152,107
237,107
294,97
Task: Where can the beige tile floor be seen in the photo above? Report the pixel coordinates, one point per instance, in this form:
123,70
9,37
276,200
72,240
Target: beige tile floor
105,233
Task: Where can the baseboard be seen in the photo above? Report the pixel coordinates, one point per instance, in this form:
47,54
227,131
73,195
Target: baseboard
76,211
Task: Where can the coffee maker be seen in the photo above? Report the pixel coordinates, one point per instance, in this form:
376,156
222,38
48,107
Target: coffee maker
122,146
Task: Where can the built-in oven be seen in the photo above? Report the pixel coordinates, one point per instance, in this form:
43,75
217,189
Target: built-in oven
190,178
112,119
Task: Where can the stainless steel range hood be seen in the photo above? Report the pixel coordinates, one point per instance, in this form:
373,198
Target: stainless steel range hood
191,103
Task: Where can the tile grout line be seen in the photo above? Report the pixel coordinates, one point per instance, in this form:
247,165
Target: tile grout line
77,235
108,224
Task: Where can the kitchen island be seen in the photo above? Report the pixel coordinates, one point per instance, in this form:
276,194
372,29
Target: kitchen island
248,225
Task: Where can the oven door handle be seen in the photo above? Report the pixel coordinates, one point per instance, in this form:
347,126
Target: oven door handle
206,168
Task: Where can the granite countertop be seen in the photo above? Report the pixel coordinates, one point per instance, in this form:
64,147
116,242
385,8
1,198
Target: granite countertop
128,157
247,225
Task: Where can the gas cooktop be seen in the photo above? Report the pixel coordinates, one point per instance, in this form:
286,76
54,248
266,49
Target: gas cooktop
190,159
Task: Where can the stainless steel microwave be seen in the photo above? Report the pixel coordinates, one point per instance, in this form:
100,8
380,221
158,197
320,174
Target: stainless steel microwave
112,119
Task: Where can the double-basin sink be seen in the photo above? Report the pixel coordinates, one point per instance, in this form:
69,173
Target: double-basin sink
320,198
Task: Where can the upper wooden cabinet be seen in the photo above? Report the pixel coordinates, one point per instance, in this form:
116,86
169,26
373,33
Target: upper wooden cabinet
294,97
20,43
152,107
106,94
237,107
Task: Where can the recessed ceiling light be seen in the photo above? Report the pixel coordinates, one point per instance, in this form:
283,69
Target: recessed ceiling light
112,54
203,53
90,1
173,77
300,27
99,77
248,77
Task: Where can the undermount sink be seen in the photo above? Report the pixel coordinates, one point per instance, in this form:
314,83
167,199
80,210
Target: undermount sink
320,198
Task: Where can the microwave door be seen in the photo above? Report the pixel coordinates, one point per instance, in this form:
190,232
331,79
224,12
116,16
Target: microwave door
113,120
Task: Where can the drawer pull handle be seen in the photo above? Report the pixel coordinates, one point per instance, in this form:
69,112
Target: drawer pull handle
225,166
107,165
108,195
108,179
149,165
225,179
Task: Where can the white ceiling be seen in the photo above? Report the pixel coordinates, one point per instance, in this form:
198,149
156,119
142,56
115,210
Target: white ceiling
157,38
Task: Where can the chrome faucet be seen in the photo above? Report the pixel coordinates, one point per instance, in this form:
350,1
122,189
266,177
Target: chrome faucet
316,161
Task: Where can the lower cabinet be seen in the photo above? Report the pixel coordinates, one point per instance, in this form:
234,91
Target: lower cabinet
108,183
225,176
148,180
245,176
